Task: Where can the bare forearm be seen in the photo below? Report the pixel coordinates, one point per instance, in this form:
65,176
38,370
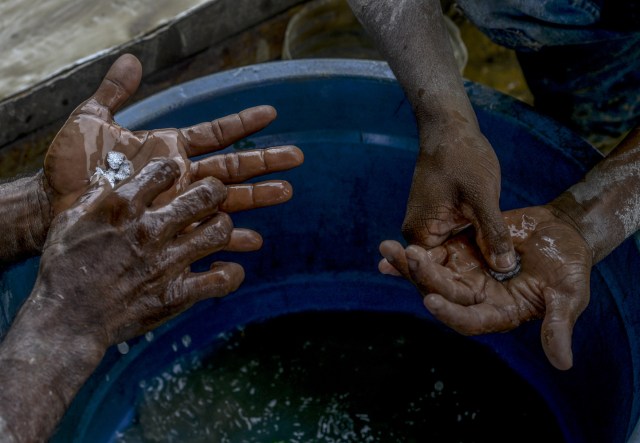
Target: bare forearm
605,205
42,366
412,36
25,215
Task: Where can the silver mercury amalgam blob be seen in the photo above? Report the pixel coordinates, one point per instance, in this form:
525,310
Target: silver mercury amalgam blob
119,168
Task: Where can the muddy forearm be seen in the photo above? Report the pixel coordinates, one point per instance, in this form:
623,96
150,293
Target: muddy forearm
412,36
43,363
26,216
605,205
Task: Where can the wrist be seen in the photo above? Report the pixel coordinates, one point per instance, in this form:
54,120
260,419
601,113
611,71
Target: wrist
46,328
27,214
37,210
567,210
448,127
44,364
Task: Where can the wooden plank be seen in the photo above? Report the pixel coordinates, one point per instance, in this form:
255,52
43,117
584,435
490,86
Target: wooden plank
219,35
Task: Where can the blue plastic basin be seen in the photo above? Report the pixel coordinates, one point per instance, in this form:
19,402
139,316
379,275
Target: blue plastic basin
359,137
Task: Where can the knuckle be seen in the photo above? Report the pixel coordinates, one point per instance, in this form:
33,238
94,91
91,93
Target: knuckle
147,232
172,299
232,164
220,231
161,166
225,222
211,189
421,225
118,206
216,130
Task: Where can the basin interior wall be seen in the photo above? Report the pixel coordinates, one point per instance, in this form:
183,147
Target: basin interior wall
359,137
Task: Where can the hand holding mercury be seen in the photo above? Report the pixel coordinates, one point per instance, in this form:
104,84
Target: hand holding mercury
89,137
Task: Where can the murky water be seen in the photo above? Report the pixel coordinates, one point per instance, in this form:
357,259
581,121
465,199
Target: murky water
40,38
329,378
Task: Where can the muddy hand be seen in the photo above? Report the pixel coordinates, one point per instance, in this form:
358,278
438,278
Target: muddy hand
459,290
119,268
457,183
90,134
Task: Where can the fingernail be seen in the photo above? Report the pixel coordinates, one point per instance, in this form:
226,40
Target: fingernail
506,261
413,264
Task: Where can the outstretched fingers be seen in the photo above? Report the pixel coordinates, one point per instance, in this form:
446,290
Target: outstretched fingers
220,133
236,167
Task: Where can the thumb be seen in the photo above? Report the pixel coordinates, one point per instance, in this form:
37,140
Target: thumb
493,238
120,83
557,327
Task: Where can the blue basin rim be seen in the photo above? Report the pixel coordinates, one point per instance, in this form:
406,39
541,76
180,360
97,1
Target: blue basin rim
354,124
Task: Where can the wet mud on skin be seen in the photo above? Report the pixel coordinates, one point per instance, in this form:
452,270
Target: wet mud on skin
348,377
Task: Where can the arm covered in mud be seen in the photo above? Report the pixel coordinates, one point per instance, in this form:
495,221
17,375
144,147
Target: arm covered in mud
457,176
117,255
604,207
90,134
558,244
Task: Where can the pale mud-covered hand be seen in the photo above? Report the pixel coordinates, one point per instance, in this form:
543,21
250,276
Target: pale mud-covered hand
90,133
457,288
457,183
114,267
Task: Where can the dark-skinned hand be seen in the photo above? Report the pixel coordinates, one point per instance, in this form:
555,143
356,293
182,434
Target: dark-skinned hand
119,267
116,264
457,183
458,289
90,133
